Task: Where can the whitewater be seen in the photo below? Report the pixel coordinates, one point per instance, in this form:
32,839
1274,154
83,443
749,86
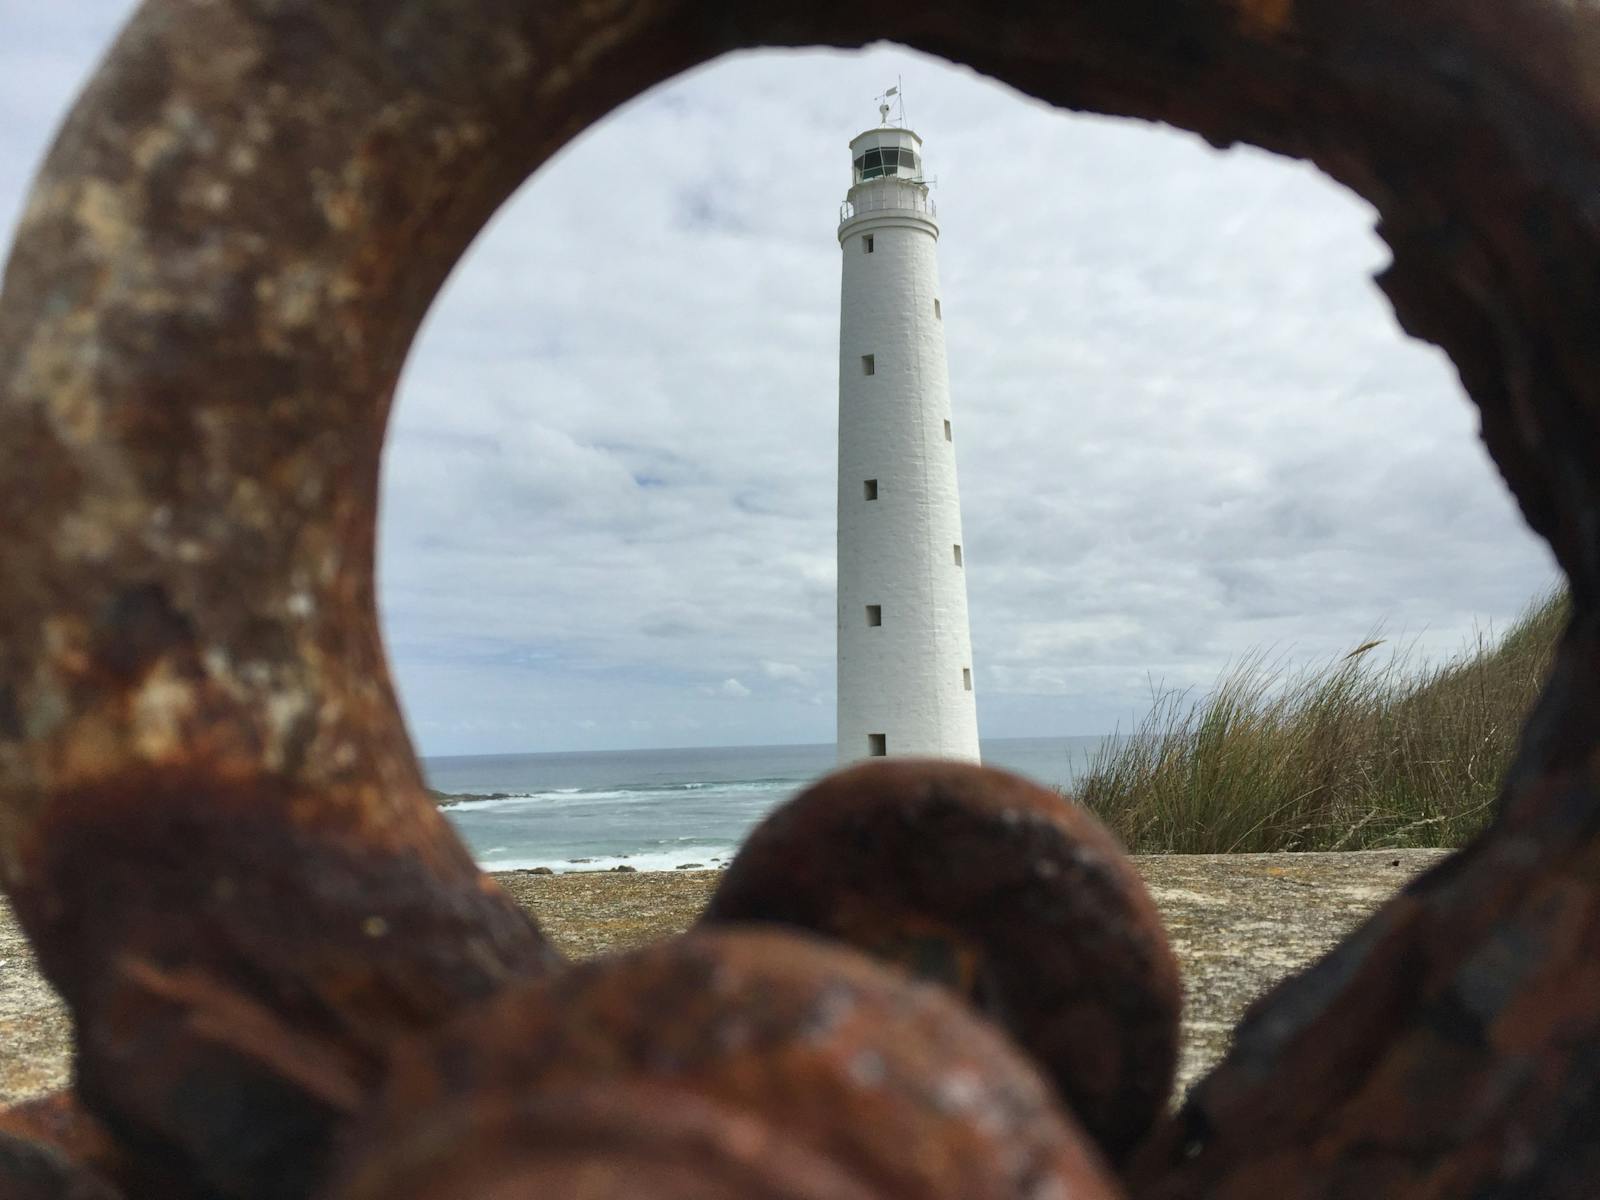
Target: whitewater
660,810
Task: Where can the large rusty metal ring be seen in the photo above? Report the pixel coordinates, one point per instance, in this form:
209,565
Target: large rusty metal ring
215,284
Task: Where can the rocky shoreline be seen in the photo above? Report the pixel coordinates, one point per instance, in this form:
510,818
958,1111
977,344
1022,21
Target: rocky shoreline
451,799
1238,924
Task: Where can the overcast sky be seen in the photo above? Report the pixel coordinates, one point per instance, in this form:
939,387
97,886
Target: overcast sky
1187,426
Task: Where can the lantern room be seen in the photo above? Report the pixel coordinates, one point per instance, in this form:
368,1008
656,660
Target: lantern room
886,153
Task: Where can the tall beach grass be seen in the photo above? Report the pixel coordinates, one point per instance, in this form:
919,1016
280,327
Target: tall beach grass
1371,750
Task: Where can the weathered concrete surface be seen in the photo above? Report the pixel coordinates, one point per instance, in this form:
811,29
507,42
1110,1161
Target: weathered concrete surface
34,1030
1237,922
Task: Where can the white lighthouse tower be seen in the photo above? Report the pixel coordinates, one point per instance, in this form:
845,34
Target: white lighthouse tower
905,648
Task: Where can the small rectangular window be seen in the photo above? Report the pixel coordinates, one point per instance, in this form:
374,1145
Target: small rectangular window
877,744
874,614
870,489
869,364
946,424
958,553
937,312
866,244
966,678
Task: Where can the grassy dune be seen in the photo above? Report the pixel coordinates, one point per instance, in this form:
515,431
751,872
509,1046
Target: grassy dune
1369,751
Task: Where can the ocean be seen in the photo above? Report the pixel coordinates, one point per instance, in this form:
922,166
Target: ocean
657,810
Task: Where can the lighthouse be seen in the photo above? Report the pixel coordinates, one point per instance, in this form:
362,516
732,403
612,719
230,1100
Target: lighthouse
905,647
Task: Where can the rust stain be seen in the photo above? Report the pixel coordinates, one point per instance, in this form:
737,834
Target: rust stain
1265,18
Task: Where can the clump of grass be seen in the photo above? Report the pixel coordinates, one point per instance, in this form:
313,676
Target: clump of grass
1368,751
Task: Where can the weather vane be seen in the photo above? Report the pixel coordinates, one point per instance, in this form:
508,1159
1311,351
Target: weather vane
883,103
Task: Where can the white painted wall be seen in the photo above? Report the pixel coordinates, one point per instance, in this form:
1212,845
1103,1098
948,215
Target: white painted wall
904,678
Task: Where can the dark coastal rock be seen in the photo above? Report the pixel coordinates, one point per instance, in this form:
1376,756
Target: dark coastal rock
690,867
624,868
451,799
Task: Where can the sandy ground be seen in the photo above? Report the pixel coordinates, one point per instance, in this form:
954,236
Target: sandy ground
1238,923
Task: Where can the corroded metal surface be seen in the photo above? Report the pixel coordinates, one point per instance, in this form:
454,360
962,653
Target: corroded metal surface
31,1170
891,1083
59,1120
1000,889
609,1141
211,822
211,818
51,1149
